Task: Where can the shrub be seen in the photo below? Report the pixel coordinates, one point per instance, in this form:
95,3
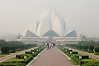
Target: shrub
5,49
21,56
91,63
12,51
85,49
68,54
69,51
90,51
35,54
84,46
28,59
96,53
74,52
28,52
90,47
75,60
12,64
97,49
83,56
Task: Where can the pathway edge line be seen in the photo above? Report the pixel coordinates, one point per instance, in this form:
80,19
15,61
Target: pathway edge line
64,54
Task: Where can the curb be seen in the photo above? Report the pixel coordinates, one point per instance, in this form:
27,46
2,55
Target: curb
64,54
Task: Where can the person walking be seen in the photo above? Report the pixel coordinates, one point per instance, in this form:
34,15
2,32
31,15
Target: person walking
53,45
50,45
47,45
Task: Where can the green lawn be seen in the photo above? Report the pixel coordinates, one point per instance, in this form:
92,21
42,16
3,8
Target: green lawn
14,59
90,59
2,55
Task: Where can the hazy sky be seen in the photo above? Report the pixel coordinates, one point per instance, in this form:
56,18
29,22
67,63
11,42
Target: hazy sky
81,15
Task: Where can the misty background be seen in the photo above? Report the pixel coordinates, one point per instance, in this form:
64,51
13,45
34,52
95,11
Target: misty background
81,15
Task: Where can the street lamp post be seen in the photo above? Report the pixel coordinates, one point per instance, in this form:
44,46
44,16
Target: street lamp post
65,50
25,58
80,57
32,52
70,52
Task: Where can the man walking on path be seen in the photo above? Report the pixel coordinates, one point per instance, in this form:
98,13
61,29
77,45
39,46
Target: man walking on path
47,45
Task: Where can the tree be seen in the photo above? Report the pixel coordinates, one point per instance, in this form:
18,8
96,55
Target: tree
2,42
84,46
90,47
5,49
97,43
97,49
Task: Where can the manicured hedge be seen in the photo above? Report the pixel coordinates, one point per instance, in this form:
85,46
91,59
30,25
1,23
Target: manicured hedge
21,56
28,52
75,60
90,51
83,56
29,55
69,50
12,64
35,54
29,59
96,53
68,54
85,50
74,52
91,63
82,62
97,49
90,47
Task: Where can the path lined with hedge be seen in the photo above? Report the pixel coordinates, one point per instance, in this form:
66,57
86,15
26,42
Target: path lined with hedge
13,55
51,57
93,56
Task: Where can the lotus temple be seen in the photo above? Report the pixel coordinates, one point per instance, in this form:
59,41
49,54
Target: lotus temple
50,26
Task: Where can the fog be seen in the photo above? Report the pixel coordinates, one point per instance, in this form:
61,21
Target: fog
81,15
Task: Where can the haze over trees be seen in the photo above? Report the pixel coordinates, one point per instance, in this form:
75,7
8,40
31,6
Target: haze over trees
13,46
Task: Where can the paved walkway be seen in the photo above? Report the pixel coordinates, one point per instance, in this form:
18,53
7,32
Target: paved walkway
51,57
81,52
13,55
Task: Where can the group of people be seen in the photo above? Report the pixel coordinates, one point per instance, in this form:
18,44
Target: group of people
49,45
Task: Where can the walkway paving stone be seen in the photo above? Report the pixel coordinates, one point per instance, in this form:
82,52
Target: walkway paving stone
51,57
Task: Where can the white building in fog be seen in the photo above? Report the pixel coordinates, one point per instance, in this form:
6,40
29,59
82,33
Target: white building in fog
49,24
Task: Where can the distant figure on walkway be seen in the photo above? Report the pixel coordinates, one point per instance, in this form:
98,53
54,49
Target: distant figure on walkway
53,45
50,45
47,45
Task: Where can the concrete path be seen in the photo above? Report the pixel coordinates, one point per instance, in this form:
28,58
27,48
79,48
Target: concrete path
51,57
81,52
13,55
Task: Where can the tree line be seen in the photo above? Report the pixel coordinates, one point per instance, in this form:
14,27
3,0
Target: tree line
13,46
89,46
